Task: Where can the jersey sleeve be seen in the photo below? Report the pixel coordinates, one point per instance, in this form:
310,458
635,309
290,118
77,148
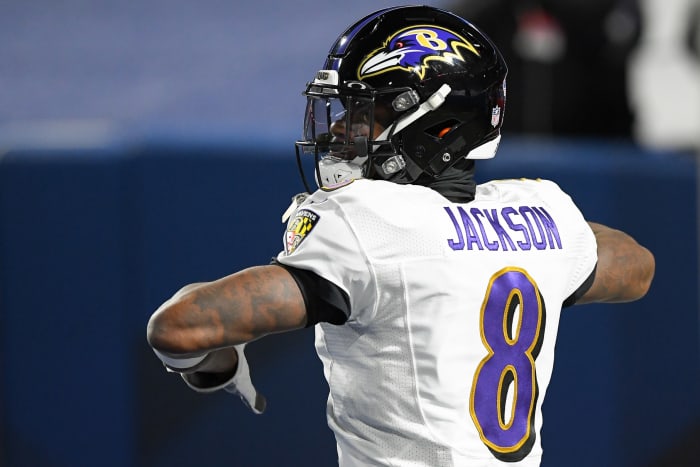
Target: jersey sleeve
581,291
583,249
319,238
325,302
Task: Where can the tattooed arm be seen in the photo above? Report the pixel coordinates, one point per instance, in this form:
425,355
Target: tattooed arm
625,268
212,317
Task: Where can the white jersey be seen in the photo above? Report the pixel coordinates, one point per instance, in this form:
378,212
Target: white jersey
454,308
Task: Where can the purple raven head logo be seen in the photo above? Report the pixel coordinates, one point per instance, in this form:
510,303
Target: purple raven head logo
411,49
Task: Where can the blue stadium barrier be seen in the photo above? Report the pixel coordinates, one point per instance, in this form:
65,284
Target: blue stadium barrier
93,240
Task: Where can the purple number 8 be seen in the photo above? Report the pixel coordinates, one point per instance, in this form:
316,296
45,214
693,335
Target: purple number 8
512,327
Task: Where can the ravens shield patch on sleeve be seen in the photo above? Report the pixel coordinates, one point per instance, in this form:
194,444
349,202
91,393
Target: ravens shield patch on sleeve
298,229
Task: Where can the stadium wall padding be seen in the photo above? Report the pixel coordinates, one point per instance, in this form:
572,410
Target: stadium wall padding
92,240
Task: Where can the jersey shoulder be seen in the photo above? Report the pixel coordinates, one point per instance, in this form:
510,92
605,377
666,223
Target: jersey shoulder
522,184
363,188
509,190
365,196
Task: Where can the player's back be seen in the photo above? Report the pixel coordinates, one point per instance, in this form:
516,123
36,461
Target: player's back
449,347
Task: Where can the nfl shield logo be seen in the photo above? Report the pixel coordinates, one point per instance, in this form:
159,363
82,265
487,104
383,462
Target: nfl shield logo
495,116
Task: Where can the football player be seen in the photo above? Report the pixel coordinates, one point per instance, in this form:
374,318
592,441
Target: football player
435,301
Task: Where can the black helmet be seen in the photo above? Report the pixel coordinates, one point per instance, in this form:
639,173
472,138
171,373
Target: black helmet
406,92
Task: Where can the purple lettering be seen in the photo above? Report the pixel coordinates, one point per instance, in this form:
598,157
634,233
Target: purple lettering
472,238
459,243
506,213
491,245
550,227
500,231
527,214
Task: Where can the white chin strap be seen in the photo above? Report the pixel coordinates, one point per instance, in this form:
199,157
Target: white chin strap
336,171
485,151
432,103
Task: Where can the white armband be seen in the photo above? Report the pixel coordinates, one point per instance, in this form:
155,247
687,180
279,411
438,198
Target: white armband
180,364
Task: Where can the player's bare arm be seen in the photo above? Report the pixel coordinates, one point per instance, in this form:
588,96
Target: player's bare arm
625,268
235,309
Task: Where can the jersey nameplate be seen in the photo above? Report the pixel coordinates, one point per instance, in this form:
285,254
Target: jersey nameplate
510,228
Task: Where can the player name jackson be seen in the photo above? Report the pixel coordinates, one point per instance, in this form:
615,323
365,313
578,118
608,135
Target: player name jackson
509,228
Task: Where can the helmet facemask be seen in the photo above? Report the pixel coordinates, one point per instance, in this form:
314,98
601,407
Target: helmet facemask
347,126
353,131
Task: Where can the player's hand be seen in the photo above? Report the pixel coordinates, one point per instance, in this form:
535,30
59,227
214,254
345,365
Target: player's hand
242,385
238,382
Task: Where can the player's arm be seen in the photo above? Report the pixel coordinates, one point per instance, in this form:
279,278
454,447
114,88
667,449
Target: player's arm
624,271
201,331
235,309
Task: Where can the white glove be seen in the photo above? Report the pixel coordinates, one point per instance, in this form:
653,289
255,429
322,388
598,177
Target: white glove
239,384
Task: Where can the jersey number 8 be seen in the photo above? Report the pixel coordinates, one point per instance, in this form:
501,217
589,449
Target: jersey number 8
504,392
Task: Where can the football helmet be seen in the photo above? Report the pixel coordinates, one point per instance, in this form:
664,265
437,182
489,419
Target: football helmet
405,93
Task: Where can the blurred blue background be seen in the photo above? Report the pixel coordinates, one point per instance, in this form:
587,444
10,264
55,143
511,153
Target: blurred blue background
150,144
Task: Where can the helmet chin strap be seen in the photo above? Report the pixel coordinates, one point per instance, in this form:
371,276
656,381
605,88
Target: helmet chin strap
432,103
332,171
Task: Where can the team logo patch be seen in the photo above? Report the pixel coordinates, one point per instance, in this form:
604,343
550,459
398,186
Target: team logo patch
298,229
411,49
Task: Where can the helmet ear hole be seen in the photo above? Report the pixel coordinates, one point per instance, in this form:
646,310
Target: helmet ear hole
444,131
441,130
